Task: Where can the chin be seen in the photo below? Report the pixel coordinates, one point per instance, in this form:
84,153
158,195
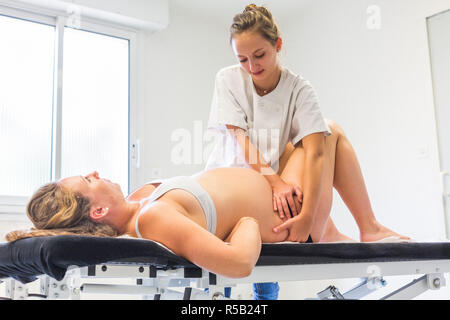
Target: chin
118,188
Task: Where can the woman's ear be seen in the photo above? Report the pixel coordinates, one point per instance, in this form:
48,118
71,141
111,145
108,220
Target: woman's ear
279,44
98,213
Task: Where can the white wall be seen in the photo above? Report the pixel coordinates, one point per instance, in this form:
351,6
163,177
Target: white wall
180,65
377,85
155,11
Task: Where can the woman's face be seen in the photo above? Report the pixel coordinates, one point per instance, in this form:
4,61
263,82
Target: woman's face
101,192
256,55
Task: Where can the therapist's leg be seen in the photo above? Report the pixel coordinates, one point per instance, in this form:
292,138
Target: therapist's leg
292,170
266,291
343,172
349,182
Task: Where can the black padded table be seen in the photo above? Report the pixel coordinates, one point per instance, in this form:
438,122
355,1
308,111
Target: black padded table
26,259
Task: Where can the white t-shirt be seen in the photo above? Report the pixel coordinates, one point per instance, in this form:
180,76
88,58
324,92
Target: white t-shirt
287,114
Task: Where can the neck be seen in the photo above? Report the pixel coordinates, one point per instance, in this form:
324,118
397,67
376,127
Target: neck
125,216
267,85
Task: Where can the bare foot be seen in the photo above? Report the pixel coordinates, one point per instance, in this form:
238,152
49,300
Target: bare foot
380,232
336,237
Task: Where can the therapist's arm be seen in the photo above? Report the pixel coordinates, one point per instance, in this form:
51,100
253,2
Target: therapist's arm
300,226
283,200
252,155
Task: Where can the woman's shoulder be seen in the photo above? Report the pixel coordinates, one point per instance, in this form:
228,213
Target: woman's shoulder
152,216
142,192
295,80
234,79
232,71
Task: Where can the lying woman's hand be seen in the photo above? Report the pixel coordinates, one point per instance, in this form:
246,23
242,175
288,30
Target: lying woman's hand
287,199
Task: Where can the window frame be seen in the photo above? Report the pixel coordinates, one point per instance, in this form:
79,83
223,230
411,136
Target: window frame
14,205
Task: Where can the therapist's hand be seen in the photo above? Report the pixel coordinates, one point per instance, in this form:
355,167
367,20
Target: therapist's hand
287,199
299,228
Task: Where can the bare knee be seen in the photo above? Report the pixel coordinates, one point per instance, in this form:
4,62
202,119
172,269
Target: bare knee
335,128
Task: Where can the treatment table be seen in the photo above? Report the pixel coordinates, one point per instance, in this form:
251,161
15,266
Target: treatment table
61,265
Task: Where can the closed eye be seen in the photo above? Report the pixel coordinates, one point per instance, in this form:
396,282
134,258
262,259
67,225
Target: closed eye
257,57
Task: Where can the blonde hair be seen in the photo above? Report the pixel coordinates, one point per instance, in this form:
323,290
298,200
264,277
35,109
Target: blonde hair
55,210
255,19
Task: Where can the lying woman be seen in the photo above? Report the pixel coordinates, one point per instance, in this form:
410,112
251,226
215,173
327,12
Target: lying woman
217,219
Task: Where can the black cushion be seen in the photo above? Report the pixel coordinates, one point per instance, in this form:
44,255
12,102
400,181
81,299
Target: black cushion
26,259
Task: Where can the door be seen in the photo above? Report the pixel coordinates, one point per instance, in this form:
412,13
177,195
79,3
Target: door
439,44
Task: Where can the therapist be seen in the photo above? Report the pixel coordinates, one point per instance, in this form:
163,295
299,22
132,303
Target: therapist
265,110
263,106
271,122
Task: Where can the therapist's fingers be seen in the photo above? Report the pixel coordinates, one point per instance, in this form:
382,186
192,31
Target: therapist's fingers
290,200
287,211
284,226
280,208
299,194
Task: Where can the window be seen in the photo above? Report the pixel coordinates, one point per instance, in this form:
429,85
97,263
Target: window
64,103
95,106
26,95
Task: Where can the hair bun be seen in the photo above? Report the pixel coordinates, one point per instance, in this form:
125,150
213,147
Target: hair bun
256,19
262,10
251,7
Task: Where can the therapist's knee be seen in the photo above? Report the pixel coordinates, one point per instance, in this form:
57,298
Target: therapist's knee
335,128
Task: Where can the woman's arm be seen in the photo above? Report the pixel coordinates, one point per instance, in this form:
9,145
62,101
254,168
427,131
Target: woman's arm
283,201
166,225
251,153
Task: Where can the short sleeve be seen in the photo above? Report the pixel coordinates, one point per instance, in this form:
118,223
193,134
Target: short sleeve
225,108
307,117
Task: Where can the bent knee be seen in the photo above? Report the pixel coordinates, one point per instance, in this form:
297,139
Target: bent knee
335,128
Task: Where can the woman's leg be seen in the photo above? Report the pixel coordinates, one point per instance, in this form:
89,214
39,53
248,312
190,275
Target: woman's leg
291,171
349,182
292,168
343,172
